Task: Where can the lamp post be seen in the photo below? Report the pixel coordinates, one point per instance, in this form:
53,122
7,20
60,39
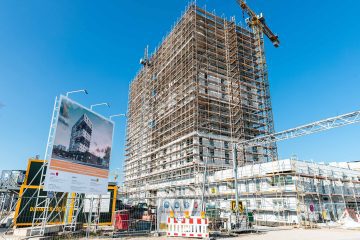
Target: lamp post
110,117
117,115
99,104
77,91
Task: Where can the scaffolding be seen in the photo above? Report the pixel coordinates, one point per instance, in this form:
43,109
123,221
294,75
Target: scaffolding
204,88
286,192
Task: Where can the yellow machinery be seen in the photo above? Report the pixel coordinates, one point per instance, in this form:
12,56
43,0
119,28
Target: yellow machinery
257,23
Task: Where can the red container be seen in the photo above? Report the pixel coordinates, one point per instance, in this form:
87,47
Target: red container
122,220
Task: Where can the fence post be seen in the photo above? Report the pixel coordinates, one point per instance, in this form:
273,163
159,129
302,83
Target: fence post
158,215
89,218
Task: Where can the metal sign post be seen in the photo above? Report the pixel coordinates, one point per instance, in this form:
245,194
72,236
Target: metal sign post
39,221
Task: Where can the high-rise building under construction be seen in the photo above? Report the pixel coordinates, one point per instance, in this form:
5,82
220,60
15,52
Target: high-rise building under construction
203,89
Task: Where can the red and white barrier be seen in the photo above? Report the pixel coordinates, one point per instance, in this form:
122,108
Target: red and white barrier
194,227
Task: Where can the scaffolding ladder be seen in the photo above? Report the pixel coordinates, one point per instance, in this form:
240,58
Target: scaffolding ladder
75,207
42,201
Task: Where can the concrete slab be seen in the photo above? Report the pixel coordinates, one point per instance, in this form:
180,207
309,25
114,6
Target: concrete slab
23,232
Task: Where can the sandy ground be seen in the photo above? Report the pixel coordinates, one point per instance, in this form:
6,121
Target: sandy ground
279,234
292,234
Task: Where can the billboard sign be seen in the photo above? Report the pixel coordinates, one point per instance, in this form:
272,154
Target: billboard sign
81,150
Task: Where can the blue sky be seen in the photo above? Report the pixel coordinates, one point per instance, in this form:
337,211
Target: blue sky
50,47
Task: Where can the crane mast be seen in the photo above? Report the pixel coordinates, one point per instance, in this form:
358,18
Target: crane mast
259,27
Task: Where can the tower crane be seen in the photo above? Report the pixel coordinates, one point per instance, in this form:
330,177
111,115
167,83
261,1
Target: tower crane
259,27
258,24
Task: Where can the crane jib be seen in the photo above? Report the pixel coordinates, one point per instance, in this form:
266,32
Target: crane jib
259,21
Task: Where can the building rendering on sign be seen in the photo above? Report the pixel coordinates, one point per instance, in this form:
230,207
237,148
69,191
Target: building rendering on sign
60,147
81,135
204,88
81,150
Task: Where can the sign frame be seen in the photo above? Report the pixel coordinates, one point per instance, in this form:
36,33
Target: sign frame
50,148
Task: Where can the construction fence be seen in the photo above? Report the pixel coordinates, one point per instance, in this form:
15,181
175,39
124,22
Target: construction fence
76,217
87,216
90,216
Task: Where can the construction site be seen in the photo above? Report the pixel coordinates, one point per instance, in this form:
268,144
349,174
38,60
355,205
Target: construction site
187,106
201,152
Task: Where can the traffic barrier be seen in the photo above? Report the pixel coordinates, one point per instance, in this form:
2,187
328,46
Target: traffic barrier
193,227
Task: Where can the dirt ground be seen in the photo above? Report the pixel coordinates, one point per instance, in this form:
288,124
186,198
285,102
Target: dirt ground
289,234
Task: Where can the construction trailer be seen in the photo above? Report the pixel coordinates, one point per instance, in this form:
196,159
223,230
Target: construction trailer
204,88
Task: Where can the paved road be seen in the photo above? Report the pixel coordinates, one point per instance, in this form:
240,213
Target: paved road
291,234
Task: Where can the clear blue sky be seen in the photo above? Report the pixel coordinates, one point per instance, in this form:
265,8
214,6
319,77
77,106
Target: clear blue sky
50,47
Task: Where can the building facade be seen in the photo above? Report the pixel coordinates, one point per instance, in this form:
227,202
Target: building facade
81,135
354,165
203,89
283,192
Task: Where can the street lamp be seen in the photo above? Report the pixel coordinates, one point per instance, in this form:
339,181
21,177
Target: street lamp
110,117
76,91
117,115
99,104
